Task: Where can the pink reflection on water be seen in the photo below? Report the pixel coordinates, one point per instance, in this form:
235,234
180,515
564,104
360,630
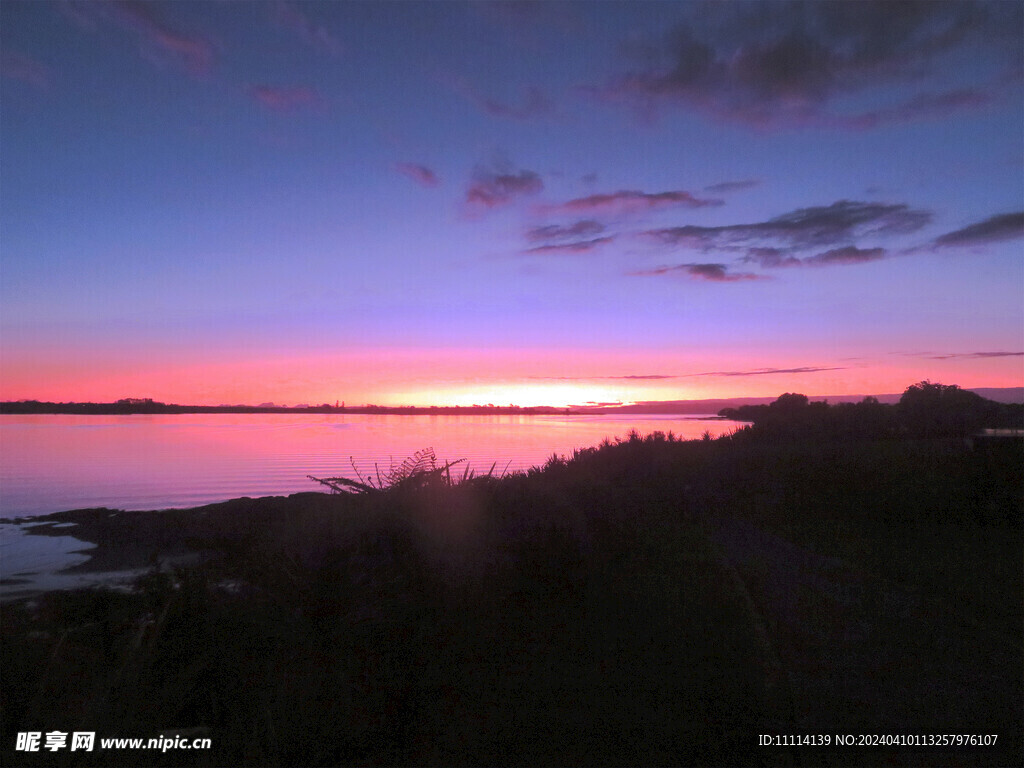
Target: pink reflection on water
49,463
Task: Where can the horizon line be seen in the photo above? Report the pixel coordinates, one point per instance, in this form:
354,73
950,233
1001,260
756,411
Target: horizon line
589,405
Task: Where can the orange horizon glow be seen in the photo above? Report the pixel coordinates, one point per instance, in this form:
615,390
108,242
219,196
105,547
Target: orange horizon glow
449,377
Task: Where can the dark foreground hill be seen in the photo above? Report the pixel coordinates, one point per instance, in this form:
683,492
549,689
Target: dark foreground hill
646,602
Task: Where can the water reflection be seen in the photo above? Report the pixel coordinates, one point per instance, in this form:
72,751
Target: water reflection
50,463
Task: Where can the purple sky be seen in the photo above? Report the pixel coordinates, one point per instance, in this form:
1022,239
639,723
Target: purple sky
508,202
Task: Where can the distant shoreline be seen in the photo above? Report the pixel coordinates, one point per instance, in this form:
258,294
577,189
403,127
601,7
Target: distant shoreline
108,409
131,406
89,409
116,409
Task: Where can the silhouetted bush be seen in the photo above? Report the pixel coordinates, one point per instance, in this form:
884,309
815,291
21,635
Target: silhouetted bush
925,410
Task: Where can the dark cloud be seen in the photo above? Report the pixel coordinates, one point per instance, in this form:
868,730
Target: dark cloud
584,228
285,99
817,226
772,258
972,355
788,63
584,246
765,371
418,173
17,66
1005,226
716,273
732,186
848,255
495,188
291,16
157,39
630,201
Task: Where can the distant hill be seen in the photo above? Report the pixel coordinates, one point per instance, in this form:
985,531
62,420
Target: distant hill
999,395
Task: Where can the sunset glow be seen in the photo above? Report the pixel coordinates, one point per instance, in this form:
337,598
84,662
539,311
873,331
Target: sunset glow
449,203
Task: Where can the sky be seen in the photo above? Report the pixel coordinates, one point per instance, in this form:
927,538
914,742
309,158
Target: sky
508,202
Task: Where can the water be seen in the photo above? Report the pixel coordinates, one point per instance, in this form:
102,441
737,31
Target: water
50,463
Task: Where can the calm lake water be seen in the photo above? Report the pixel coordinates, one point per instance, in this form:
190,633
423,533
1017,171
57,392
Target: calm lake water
50,463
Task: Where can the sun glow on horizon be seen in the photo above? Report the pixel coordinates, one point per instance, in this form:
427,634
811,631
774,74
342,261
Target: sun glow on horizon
557,394
472,376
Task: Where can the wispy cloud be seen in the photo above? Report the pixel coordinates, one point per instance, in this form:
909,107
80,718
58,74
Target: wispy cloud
773,258
285,99
817,226
725,187
293,17
580,246
643,377
848,255
496,187
583,228
967,355
767,371
1005,226
783,64
659,376
716,273
158,40
819,236
17,66
790,240
921,106
418,173
629,201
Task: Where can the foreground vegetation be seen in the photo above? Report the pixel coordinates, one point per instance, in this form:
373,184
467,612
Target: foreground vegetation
626,606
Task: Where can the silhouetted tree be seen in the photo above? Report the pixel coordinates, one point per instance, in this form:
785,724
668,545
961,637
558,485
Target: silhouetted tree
934,410
790,401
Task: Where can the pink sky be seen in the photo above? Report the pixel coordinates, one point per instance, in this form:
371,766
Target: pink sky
418,376
306,202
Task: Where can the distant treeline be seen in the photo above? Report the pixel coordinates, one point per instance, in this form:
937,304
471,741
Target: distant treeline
136,405
924,410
